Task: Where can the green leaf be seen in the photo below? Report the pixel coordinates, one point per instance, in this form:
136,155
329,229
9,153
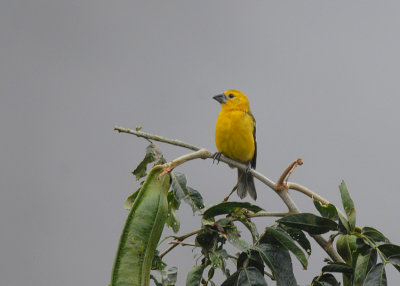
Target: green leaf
188,194
344,226
250,258
298,236
194,276
207,239
173,201
142,231
362,267
231,280
157,263
251,226
327,211
194,199
217,258
348,205
309,222
234,239
251,276
325,279
287,243
131,199
229,207
338,267
395,261
173,220
389,250
376,236
345,245
376,276
278,261
152,154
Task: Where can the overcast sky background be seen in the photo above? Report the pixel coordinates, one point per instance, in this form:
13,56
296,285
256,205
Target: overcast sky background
323,82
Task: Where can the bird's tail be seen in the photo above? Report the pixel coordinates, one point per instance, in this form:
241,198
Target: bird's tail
246,185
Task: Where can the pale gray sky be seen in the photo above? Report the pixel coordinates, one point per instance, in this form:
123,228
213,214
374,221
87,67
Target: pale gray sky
323,82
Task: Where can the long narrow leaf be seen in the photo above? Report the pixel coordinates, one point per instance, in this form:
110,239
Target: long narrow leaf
309,222
348,205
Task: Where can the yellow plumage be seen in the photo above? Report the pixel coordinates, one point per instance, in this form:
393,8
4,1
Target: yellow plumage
235,136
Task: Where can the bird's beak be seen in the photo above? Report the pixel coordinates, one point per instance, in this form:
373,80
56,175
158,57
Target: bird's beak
221,98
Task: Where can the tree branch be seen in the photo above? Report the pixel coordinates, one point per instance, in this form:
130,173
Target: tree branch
204,154
156,138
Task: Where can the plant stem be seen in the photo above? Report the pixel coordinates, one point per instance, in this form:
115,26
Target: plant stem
178,240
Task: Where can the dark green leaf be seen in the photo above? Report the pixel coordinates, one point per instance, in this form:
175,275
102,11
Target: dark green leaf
231,280
362,267
229,207
395,261
251,226
207,239
343,223
338,267
289,244
298,236
130,200
278,261
326,279
173,201
210,273
327,211
376,236
376,276
250,258
389,250
251,276
195,274
348,205
309,222
182,191
194,199
173,220
152,154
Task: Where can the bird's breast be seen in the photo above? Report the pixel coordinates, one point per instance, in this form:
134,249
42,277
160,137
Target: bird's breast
234,135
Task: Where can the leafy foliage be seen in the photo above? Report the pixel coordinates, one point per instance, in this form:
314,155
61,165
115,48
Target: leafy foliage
365,251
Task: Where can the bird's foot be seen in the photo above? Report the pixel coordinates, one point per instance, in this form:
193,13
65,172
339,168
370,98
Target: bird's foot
217,156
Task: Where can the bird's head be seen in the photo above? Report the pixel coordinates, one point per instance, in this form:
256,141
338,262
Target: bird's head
233,99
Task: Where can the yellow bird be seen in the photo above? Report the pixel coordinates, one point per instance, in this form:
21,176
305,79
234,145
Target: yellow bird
235,137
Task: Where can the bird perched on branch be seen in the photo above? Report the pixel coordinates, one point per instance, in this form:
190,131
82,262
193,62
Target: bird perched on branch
235,137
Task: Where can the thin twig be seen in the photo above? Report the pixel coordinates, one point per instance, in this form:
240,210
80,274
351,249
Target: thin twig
227,197
156,138
281,183
179,239
307,192
182,243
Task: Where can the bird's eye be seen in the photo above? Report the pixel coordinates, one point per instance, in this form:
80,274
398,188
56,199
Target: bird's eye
231,95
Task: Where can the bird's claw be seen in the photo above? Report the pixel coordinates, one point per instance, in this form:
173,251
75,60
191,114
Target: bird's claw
217,156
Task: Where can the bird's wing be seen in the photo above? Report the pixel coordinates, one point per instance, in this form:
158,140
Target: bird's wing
253,161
